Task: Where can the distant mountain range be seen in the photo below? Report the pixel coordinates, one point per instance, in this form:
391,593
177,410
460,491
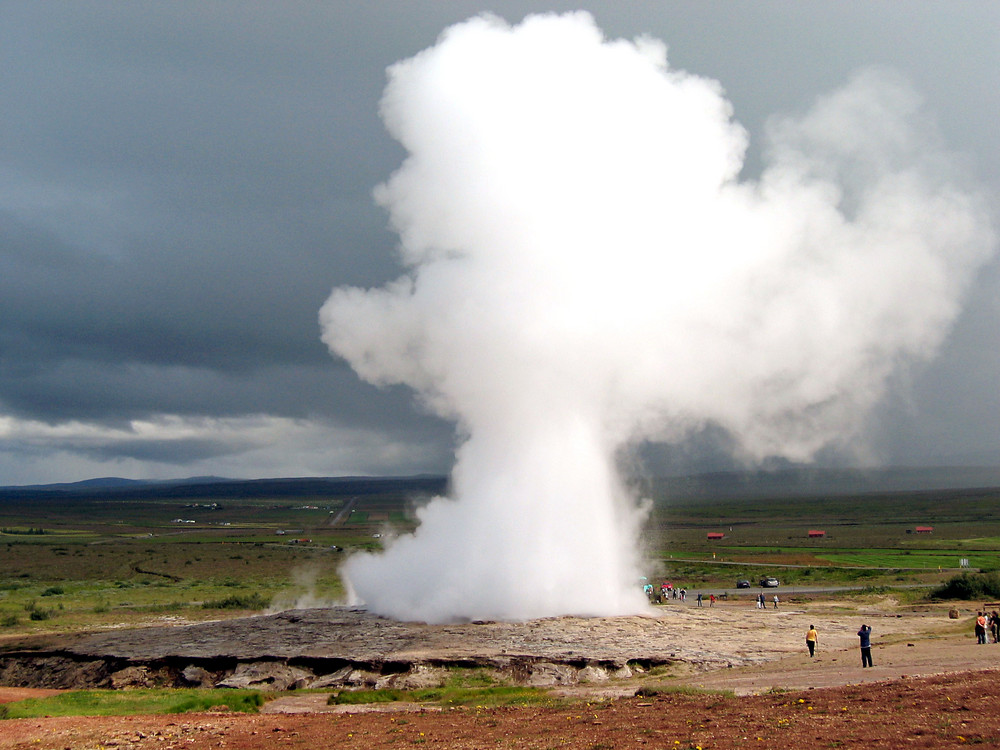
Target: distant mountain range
203,487
102,483
780,483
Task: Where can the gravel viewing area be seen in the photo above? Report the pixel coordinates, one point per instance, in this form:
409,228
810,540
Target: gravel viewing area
348,647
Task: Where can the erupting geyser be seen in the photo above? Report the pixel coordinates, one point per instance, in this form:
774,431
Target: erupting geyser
586,270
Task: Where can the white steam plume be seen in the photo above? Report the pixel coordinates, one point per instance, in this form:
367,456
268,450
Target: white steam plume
586,270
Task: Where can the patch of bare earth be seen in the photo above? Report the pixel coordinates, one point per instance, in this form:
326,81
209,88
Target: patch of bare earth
934,712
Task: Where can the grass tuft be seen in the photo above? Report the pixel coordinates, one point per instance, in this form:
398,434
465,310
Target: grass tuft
129,702
239,601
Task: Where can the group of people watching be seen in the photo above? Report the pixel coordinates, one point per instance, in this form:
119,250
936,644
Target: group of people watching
666,591
987,626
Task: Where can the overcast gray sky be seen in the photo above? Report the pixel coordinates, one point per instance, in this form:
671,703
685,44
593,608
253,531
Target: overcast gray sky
182,184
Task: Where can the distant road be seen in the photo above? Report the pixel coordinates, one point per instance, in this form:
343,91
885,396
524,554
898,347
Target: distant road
787,565
150,535
345,512
783,591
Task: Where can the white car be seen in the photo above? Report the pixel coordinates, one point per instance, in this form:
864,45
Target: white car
769,582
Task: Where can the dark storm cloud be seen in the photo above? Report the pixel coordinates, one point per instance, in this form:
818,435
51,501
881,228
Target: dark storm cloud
178,196
174,451
181,185
180,189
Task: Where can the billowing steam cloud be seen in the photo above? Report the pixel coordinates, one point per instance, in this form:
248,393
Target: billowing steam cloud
587,270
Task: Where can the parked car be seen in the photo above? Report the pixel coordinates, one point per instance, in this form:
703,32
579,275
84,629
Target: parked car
743,584
769,582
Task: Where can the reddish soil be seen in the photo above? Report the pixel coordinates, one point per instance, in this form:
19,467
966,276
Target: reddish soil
932,712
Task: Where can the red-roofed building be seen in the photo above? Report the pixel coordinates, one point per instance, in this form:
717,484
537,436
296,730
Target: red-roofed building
925,529
816,534
715,535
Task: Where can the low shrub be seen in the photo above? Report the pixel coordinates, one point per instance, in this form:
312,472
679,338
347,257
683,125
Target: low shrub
969,586
239,601
876,590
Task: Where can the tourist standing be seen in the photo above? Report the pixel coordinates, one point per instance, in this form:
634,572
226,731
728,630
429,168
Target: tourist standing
980,627
865,634
775,601
811,638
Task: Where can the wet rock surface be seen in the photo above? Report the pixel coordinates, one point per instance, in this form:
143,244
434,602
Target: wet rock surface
343,648
352,648
356,635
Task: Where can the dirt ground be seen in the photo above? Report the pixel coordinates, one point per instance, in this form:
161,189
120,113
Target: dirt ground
931,687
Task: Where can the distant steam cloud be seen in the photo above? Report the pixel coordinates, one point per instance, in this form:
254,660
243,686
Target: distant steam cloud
586,271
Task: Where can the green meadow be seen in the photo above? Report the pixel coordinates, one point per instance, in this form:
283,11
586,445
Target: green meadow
80,559
868,539
86,559
127,702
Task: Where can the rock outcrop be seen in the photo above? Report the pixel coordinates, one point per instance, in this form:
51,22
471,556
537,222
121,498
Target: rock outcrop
351,649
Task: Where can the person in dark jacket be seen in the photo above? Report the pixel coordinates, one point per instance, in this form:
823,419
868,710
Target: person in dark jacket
865,634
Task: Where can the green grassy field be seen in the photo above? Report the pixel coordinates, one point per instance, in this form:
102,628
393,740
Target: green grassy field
127,702
91,559
869,539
